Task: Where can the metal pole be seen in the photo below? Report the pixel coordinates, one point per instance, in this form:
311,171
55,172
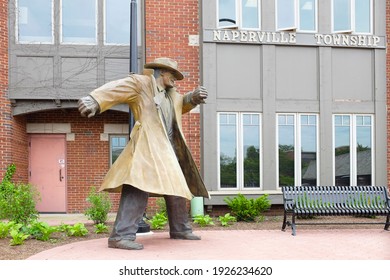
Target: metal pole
142,226
133,65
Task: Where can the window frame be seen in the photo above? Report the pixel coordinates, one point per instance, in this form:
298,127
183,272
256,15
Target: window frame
298,147
353,145
297,16
22,42
238,13
111,136
352,19
79,43
240,152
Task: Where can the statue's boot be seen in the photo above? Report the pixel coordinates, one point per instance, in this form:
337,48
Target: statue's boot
132,206
179,226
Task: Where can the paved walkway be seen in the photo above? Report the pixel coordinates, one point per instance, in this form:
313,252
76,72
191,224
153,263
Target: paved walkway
308,244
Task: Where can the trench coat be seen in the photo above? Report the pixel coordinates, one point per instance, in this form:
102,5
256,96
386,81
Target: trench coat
149,161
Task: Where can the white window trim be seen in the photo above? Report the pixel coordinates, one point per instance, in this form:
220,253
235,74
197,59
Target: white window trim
17,26
297,148
239,153
80,43
352,30
353,145
238,24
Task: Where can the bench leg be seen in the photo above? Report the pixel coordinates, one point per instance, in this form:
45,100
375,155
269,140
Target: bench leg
387,222
284,221
293,226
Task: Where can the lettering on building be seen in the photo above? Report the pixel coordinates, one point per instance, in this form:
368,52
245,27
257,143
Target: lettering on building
293,38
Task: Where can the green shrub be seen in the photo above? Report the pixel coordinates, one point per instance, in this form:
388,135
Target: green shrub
203,220
77,229
18,236
227,219
100,206
41,230
158,221
101,228
17,201
5,228
248,209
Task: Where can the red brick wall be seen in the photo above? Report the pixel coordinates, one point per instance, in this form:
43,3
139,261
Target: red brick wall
5,106
388,87
87,156
168,26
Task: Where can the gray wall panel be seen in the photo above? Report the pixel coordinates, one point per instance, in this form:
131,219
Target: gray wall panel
352,74
79,72
34,71
297,74
236,69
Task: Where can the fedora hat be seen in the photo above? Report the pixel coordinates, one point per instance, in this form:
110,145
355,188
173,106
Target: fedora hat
165,63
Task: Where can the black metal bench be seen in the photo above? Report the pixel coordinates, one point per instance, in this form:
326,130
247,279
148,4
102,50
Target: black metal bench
310,201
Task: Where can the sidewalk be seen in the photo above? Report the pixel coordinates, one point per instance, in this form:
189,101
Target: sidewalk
309,244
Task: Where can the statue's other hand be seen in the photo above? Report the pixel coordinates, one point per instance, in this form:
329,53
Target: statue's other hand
87,106
199,95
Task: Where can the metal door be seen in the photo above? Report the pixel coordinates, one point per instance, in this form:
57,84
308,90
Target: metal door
47,171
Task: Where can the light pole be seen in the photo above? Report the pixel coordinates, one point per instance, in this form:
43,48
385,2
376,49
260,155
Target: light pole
142,226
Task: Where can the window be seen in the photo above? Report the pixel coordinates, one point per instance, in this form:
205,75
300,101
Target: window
298,15
298,149
352,16
117,144
239,14
34,21
353,153
78,21
117,22
239,151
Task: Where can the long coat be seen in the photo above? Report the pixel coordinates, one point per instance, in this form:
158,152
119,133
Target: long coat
149,161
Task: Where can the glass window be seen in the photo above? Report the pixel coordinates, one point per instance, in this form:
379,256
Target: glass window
296,14
117,144
286,143
298,152
79,21
286,14
308,15
363,16
35,21
352,16
228,150
117,22
353,150
239,13
251,150
308,139
239,150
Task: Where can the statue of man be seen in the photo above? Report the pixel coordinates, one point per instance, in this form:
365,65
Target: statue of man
156,160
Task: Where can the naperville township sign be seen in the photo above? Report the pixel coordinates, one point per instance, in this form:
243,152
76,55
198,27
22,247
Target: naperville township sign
293,38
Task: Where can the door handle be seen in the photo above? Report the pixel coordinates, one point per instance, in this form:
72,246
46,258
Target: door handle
61,177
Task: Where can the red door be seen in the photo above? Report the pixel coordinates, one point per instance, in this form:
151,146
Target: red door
48,171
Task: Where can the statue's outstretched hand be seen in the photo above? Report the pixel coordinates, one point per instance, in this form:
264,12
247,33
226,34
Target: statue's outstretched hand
199,95
88,107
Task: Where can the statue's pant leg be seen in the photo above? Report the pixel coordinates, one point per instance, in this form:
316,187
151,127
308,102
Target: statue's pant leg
177,214
132,206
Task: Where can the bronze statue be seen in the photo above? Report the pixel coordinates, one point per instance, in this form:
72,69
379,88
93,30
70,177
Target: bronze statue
156,160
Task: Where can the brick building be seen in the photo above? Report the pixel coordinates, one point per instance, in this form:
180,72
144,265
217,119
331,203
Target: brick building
273,84
51,69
